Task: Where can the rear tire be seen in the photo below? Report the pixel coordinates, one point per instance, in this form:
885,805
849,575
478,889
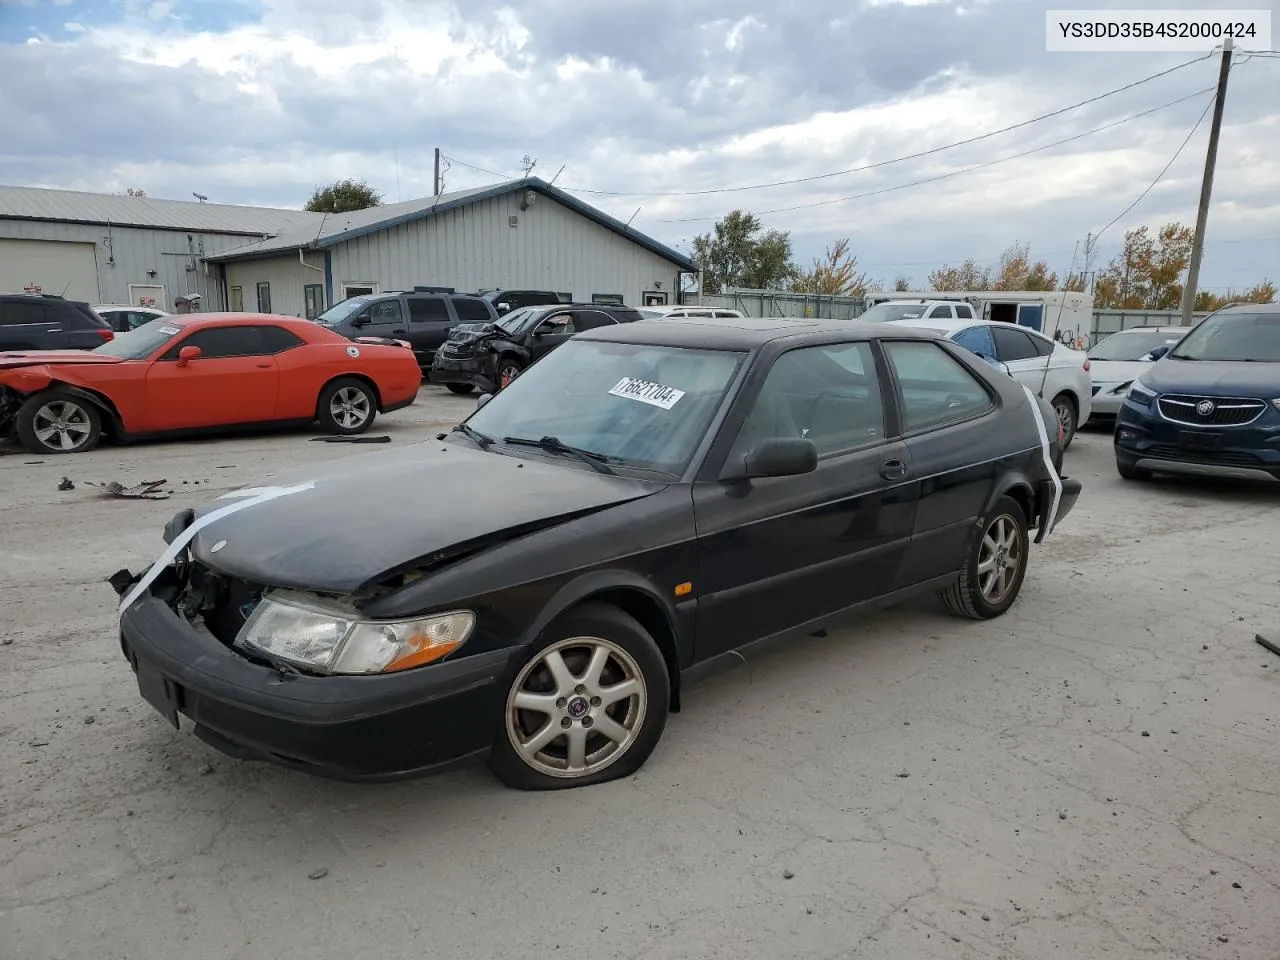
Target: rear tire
347,406
995,566
614,713
1065,409
55,421
460,388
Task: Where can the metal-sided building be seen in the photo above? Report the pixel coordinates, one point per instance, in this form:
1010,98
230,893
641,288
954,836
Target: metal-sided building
518,235
105,248
522,234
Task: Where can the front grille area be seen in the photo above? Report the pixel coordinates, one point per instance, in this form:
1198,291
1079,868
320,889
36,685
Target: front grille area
1211,411
453,351
1165,451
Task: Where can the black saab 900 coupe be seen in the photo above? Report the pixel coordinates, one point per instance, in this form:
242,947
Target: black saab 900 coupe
533,585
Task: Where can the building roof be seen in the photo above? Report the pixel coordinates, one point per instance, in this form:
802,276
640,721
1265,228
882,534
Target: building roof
74,206
340,227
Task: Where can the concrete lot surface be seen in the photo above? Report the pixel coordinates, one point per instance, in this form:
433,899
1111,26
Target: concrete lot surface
1096,774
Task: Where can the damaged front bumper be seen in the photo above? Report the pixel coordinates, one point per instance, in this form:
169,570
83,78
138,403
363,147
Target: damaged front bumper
345,727
475,371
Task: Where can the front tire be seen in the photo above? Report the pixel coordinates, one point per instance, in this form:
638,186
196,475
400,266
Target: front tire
460,388
1065,410
508,369
995,566
55,421
347,406
588,706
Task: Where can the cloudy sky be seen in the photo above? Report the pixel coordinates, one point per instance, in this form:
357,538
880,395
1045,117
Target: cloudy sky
660,105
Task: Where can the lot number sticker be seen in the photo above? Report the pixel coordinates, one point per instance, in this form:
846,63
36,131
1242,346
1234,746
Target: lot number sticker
170,331
646,392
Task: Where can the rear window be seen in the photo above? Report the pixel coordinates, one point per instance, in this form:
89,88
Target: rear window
471,310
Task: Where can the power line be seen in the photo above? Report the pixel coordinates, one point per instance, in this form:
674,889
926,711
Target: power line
963,170
472,166
884,163
1160,175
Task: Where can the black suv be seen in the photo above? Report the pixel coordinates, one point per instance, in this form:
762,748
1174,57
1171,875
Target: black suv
422,319
490,355
42,321
504,301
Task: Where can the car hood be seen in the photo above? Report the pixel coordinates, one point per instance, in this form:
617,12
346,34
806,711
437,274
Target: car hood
355,522
1214,378
33,358
1117,371
467,333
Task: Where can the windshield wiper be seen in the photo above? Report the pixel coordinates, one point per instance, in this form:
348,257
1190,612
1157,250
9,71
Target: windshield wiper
1182,356
482,440
555,445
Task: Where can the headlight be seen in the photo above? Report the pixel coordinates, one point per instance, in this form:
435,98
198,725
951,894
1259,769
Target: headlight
1276,403
1140,394
331,637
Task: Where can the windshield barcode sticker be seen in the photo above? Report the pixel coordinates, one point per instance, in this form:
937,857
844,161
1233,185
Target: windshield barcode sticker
646,392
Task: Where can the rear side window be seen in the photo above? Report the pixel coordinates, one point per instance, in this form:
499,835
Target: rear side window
963,311
277,339
472,309
590,319
934,387
14,312
428,310
977,340
1012,344
940,311
1043,345
627,316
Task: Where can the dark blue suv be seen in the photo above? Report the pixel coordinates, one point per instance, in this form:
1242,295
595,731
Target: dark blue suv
1210,406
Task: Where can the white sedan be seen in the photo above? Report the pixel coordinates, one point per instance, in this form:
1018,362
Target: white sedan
1121,358
1051,369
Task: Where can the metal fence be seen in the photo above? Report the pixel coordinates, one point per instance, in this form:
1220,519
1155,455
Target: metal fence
1106,322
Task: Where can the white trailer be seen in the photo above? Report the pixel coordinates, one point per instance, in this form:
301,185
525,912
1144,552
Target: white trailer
1064,315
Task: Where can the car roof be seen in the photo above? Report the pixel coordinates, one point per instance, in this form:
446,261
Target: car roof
125,306
1149,330
1251,308
948,326
743,333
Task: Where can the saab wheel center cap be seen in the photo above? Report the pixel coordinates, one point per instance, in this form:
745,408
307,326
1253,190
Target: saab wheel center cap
578,707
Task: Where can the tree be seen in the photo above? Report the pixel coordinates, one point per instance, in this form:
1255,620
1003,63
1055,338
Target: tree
1264,292
902,284
1017,272
1147,274
967,276
343,196
739,252
835,274
135,192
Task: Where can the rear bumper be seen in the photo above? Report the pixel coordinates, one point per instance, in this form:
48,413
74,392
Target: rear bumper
347,728
1071,489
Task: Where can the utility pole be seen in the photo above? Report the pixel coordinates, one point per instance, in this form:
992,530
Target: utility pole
436,191
1206,190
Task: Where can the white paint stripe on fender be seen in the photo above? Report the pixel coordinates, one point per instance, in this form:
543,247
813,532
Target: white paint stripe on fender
1043,429
244,498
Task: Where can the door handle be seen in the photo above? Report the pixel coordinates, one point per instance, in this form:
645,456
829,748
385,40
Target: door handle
893,469
264,366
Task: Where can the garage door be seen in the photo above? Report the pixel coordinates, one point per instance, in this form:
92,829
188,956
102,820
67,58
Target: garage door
52,265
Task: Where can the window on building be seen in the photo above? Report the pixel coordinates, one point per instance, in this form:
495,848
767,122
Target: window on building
313,300
564,297
350,290
936,388
614,298
264,297
237,300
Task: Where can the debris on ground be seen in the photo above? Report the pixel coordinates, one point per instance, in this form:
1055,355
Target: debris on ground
66,484
318,874
1271,645
787,875
349,439
147,490
90,719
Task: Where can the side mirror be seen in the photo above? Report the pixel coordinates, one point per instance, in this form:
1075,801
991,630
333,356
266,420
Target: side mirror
778,457
504,307
187,354
361,321
1157,353
483,399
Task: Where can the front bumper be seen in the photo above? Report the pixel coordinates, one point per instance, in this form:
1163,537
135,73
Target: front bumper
474,371
1145,440
346,728
1108,398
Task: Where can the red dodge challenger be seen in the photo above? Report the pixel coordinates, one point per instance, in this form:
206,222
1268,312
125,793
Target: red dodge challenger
210,372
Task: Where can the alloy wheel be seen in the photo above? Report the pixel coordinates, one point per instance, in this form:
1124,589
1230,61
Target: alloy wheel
62,424
350,407
576,708
508,373
999,559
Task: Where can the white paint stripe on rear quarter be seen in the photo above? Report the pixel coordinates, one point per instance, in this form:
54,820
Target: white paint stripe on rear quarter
245,498
1043,429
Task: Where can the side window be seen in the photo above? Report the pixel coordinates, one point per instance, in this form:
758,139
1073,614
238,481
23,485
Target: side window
1043,345
941,310
428,310
726,315
964,311
558,323
277,340
22,311
829,395
1012,344
264,297
386,311
935,388
590,319
977,340
138,319
475,310
222,342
